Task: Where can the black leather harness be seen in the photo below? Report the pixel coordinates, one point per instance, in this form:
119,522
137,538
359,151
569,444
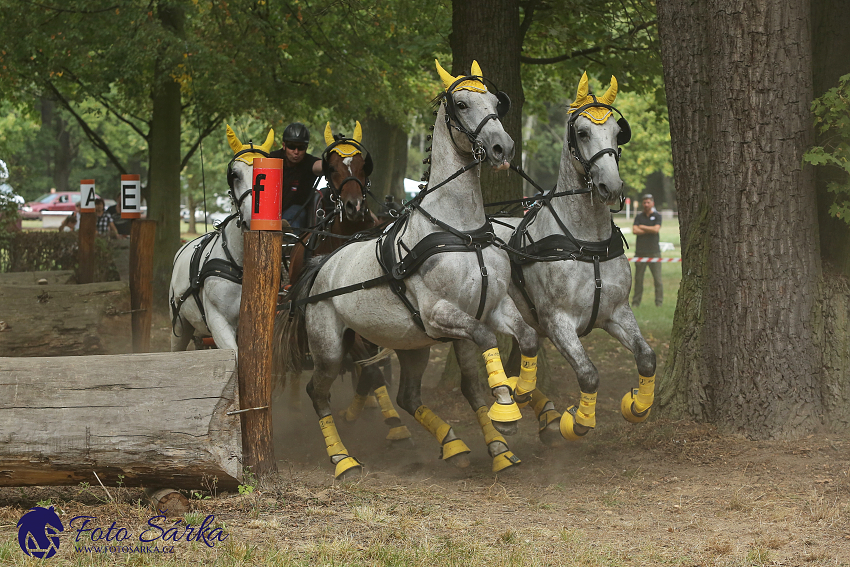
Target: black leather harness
201,269
557,247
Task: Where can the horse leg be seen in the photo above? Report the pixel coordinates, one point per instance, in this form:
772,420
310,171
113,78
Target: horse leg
327,346
470,385
372,379
181,334
506,318
223,331
413,363
548,418
577,420
637,402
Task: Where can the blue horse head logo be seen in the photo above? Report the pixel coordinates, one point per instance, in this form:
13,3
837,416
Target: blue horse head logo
38,532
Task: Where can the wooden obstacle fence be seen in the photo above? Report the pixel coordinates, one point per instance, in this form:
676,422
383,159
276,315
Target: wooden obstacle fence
142,419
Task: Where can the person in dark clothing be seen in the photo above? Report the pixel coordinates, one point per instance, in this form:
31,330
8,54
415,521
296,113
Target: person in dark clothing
300,171
121,225
646,227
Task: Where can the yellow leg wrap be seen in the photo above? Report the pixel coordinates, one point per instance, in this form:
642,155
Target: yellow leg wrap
440,430
387,409
335,447
568,422
637,402
527,375
355,409
490,433
495,371
646,393
586,413
502,460
544,416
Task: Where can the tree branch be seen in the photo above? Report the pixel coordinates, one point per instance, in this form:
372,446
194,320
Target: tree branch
585,52
93,136
214,123
528,18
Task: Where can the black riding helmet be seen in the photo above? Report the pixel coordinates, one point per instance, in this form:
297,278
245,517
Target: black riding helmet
296,133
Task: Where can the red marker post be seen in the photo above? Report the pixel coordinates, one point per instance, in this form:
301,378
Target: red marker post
260,284
87,229
268,177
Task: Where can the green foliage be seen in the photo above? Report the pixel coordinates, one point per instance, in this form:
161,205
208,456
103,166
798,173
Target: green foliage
832,117
36,251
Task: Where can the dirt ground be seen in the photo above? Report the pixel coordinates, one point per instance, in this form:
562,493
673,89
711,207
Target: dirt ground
658,493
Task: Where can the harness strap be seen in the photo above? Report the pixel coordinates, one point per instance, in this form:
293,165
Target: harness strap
597,293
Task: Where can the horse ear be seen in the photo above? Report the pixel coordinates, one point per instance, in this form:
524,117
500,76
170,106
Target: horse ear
358,131
444,75
267,145
232,140
476,69
329,136
611,93
583,88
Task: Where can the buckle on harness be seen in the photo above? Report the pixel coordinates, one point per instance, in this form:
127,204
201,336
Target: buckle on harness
483,271
598,283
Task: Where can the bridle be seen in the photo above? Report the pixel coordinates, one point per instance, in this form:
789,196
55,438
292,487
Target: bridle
231,192
453,122
336,192
583,165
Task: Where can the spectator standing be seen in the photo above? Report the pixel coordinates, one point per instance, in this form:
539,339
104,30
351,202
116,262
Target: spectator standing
121,225
646,227
105,226
300,171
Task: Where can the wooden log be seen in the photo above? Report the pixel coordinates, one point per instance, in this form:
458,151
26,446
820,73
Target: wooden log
65,320
142,235
168,501
59,277
260,286
85,252
157,419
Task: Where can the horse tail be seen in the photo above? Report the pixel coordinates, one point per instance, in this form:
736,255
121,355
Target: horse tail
290,329
382,354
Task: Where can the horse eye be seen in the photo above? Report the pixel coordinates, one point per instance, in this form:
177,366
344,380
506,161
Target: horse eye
582,134
461,105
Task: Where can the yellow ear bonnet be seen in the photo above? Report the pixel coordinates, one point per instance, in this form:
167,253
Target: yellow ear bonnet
596,114
345,150
470,85
238,146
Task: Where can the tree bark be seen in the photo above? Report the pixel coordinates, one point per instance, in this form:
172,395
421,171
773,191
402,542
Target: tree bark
489,32
387,144
164,169
744,350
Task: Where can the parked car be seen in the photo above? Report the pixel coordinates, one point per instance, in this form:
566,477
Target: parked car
59,201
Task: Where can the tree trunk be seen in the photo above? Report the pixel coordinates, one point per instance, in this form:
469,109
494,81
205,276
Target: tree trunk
744,350
164,170
489,33
387,144
64,156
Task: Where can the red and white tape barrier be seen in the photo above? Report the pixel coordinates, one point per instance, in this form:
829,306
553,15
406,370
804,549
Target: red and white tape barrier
653,260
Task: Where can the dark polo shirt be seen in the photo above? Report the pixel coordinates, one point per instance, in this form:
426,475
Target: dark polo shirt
646,245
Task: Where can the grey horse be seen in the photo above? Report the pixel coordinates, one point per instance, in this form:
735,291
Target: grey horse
205,295
566,297
446,291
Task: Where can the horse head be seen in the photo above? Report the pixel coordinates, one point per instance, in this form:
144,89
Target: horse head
475,112
240,172
347,165
594,136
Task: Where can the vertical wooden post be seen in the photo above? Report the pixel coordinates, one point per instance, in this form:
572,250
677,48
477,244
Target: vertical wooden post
142,233
85,250
260,284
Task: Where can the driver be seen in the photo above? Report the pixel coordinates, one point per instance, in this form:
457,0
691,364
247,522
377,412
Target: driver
300,171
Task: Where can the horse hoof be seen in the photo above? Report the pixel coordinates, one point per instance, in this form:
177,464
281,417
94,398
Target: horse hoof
627,408
506,461
459,461
551,435
347,469
506,427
